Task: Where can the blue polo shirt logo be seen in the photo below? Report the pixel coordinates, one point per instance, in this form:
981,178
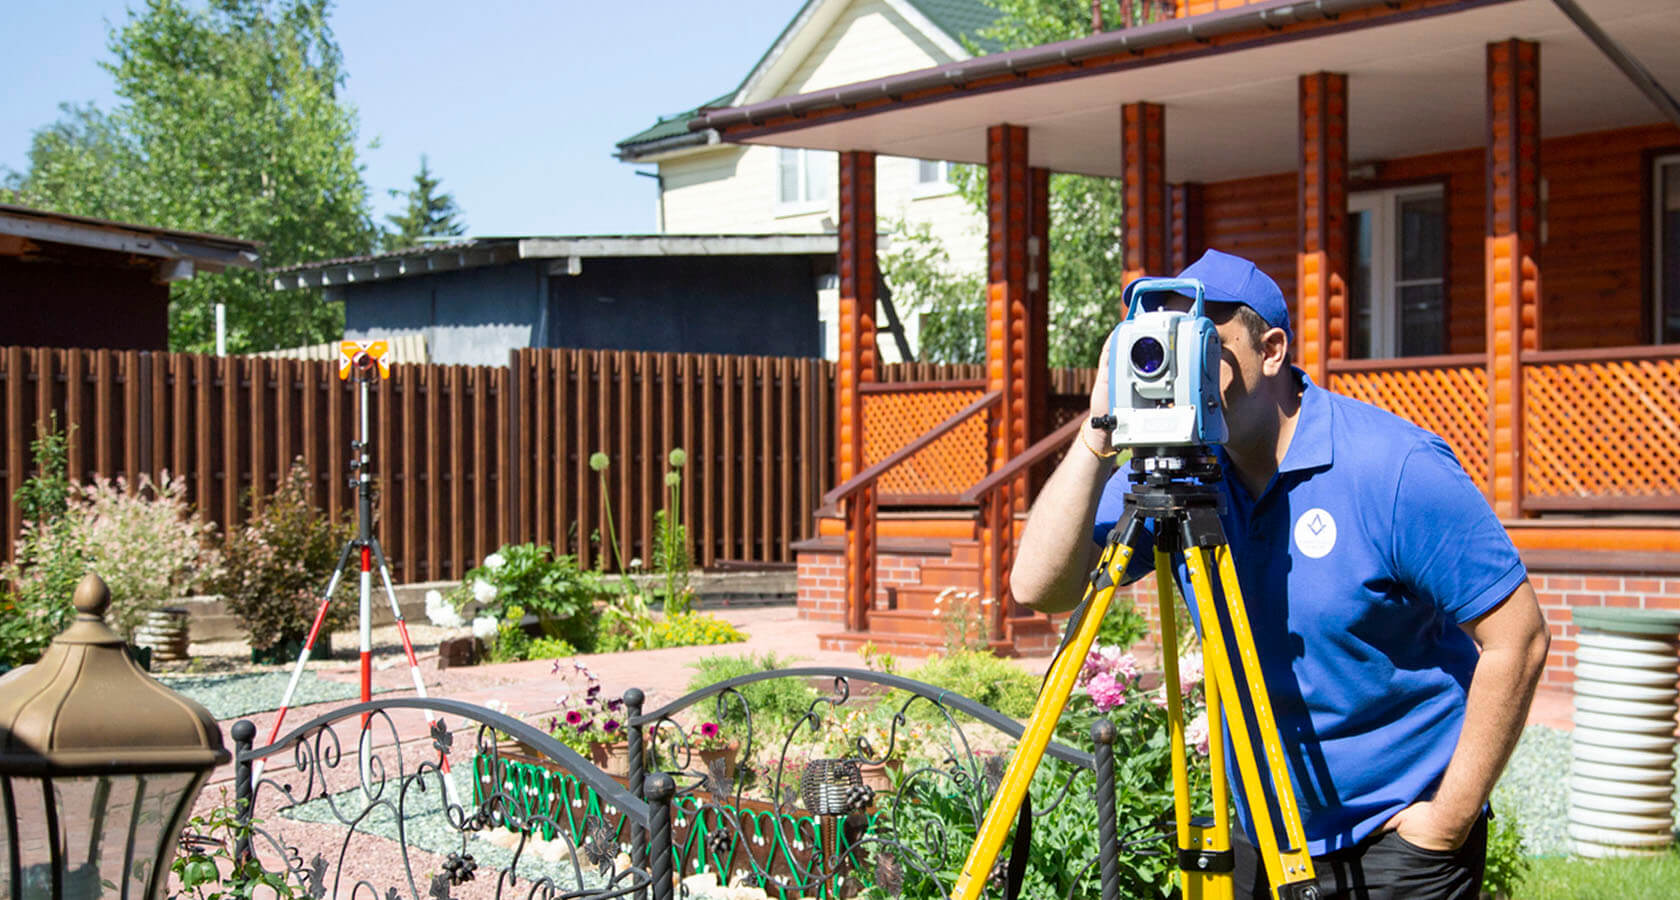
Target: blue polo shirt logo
1315,533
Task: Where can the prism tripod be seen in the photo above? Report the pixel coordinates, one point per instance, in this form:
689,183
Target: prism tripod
364,362
1174,487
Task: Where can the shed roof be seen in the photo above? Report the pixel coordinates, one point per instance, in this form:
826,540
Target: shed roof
476,252
186,251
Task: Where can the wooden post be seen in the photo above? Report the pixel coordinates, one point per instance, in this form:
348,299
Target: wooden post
1513,276
856,367
1187,238
1009,220
1143,145
1037,388
1322,258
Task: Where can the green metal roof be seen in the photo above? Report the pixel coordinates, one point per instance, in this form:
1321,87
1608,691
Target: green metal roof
958,18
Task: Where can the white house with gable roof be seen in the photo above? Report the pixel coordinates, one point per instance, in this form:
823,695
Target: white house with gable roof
706,186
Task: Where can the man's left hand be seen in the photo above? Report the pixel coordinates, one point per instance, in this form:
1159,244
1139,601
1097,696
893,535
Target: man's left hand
1423,825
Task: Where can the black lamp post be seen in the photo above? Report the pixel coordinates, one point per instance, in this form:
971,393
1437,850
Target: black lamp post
99,767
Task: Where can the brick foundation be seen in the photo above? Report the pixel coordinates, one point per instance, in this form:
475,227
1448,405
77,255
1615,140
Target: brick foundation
1561,592
822,581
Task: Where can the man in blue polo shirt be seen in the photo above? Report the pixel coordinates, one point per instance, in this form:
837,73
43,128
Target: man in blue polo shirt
1372,569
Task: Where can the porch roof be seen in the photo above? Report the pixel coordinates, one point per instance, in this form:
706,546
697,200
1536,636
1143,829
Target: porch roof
1416,74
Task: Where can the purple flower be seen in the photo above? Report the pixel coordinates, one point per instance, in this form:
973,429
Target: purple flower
593,692
709,730
553,722
585,726
610,726
574,717
615,705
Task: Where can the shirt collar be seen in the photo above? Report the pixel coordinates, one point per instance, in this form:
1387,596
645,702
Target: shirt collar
1309,447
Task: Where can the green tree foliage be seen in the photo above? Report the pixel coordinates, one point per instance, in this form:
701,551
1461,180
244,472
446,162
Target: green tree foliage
918,267
1085,222
229,122
429,213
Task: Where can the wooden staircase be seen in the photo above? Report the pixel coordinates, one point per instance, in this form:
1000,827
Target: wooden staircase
929,616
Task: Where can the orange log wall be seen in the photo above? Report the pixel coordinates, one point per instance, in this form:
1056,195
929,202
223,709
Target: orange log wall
1592,262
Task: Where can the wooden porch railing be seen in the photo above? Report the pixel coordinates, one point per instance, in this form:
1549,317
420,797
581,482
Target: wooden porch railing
1601,429
860,494
894,414
1445,394
997,516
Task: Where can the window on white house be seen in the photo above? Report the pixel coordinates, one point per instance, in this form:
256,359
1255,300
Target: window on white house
933,171
803,177
1665,249
1397,242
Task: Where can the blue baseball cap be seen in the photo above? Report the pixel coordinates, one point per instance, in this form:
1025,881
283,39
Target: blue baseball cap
1231,279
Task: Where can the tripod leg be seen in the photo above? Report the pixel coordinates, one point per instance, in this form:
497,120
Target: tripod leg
303,657
1058,684
1289,870
408,650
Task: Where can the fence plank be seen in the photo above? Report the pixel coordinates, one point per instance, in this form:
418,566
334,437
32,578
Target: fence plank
16,372
469,458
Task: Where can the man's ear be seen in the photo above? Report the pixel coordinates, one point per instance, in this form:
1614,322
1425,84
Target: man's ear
1274,351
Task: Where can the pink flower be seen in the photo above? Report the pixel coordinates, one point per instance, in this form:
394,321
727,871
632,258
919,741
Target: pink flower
1196,733
709,730
1189,672
1105,692
574,717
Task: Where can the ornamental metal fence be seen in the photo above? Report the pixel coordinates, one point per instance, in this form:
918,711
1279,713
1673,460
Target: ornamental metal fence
345,807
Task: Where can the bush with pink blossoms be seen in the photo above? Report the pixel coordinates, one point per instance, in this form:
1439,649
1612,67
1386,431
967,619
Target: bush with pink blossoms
143,539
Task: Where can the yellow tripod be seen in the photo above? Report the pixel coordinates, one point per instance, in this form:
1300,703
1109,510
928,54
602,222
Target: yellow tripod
1176,491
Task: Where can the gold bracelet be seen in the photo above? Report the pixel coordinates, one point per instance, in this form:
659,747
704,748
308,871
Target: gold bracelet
1103,456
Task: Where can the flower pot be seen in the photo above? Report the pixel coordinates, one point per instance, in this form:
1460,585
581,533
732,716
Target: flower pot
165,632
727,754
878,777
613,759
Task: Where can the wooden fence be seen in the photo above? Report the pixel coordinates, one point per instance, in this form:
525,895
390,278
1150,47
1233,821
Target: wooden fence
467,457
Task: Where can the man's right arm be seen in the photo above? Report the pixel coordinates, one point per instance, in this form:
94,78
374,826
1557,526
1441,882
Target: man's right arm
1056,554
1054,558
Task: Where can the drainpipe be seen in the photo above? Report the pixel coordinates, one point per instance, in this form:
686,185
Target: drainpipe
659,182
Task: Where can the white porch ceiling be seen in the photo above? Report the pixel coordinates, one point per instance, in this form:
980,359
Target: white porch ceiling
1414,87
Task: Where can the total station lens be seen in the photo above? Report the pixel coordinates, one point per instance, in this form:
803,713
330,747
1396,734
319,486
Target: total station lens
1148,355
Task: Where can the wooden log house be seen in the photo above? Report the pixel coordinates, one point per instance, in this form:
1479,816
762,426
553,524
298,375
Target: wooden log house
1474,204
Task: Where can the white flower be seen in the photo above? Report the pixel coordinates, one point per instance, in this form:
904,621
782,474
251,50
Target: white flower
1196,733
440,613
494,561
484,627
483,591
496,706
635,562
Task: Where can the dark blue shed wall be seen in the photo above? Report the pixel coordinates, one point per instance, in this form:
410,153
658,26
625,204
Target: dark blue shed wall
757,305
469,317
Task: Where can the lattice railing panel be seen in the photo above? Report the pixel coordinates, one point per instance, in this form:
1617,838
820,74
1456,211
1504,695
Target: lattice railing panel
949,465
1451,401
1602,429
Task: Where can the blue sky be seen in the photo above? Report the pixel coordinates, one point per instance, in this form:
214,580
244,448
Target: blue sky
516,104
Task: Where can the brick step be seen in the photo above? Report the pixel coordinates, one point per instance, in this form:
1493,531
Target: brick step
925,600
938,574
965,553
896,644
906,622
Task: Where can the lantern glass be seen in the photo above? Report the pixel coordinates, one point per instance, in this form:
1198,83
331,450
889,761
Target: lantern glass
101,835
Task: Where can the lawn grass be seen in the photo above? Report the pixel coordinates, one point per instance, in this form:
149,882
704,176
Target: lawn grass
1560,878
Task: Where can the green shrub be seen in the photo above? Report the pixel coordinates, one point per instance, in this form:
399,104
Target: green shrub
145,542
775,702
560,594
1507,859
983,678
278,564
50,559
692,629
